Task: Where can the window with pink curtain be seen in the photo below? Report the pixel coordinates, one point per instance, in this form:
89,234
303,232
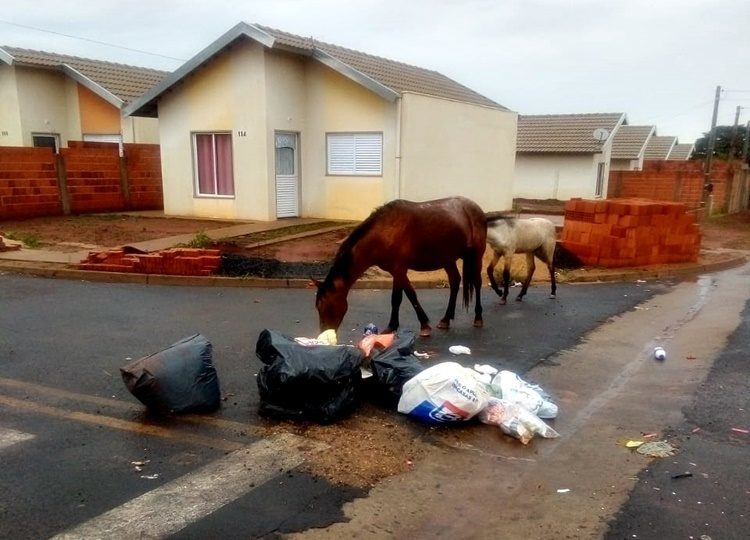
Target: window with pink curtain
213,154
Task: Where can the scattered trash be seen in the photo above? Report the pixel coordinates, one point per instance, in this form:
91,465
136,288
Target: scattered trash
640,281
421,354
370,329
327,337
445,392
740,430
140,463
485,369
319,383
682,475
459,349
659,353
515,420
650,435
656,449
178,379
150,476
633,444
564,490
695,430
374,342
510,387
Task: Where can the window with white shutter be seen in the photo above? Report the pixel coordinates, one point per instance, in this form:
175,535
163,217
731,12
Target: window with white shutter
354,154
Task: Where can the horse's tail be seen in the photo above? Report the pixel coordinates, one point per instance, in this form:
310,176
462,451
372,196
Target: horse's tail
469,270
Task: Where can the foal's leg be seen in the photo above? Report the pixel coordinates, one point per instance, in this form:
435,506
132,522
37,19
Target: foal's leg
530,267
547,255
424,322
491,272
507,258
454,279
477,280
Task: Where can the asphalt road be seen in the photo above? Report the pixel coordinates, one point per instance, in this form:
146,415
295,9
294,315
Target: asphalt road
70,430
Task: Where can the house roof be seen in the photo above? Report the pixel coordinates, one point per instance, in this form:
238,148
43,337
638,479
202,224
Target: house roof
630,141
388,78
118,84
566,133
659,147
681,151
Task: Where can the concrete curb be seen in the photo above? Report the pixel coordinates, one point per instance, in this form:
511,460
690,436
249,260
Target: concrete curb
63,271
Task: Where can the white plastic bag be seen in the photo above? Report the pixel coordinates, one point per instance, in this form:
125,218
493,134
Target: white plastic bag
515,420
445,392
510,387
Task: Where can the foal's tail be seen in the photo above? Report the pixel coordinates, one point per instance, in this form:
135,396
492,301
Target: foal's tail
470,270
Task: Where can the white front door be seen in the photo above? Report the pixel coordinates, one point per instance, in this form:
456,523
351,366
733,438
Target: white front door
287,177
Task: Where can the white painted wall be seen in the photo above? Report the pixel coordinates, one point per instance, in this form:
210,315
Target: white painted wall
10,117
555,176
450,148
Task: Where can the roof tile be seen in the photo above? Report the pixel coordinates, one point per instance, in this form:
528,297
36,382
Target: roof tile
659,147
629,141
563,132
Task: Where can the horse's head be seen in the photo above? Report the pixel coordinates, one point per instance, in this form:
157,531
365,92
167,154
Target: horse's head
331,303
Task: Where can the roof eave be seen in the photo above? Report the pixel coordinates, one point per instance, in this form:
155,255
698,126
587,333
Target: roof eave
146,104
6,57
357,76
96,88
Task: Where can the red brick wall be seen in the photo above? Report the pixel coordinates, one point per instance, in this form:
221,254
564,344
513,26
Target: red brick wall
630,232
144,176
28,183
677,181
29,179
176,261
93,179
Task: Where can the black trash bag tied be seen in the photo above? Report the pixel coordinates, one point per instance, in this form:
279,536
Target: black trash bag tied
307,382
393,366
178,379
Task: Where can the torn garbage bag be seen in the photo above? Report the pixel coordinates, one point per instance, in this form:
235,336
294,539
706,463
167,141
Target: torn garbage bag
444,393
515,420
510,387
312,382
393,366
178,379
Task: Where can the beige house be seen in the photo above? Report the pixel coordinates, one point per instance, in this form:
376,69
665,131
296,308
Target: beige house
49,99
629,146
561,156
263,124
659,147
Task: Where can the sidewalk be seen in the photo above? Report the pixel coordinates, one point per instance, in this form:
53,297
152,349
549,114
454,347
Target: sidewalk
49,263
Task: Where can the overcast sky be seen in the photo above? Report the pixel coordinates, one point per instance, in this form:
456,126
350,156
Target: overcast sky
658,61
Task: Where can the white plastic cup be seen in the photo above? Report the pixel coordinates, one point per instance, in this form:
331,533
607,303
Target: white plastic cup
659,353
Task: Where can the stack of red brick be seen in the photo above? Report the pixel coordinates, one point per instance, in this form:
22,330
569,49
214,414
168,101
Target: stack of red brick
630,232
177,261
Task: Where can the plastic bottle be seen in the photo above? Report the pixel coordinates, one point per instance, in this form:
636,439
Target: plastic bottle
659,353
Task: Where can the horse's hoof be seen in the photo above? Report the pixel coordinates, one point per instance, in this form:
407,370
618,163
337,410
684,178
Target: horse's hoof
552,297
519,299
387,330
425,331
444,325
478,323
503,301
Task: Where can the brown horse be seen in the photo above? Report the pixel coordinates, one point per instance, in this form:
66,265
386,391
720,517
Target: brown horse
403,235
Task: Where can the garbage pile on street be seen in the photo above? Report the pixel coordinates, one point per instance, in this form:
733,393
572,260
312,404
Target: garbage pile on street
316,379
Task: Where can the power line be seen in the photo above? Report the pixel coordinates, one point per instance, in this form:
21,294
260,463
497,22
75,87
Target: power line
91,40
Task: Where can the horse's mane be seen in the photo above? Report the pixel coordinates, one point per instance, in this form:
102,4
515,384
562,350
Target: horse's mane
342,262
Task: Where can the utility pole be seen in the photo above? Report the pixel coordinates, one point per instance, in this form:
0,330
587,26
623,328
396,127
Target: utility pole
745,145
707,186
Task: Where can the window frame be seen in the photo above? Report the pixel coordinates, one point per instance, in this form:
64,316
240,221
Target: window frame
55,136
353,135
600,174
196,179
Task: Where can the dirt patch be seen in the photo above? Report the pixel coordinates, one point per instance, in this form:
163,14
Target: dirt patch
69,233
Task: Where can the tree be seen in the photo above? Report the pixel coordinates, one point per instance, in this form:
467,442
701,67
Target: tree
723,142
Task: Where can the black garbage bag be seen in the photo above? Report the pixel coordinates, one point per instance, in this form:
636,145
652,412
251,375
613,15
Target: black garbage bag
179,379
318,382
393,366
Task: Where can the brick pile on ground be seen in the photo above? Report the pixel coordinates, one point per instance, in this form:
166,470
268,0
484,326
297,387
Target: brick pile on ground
177,261
616,233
